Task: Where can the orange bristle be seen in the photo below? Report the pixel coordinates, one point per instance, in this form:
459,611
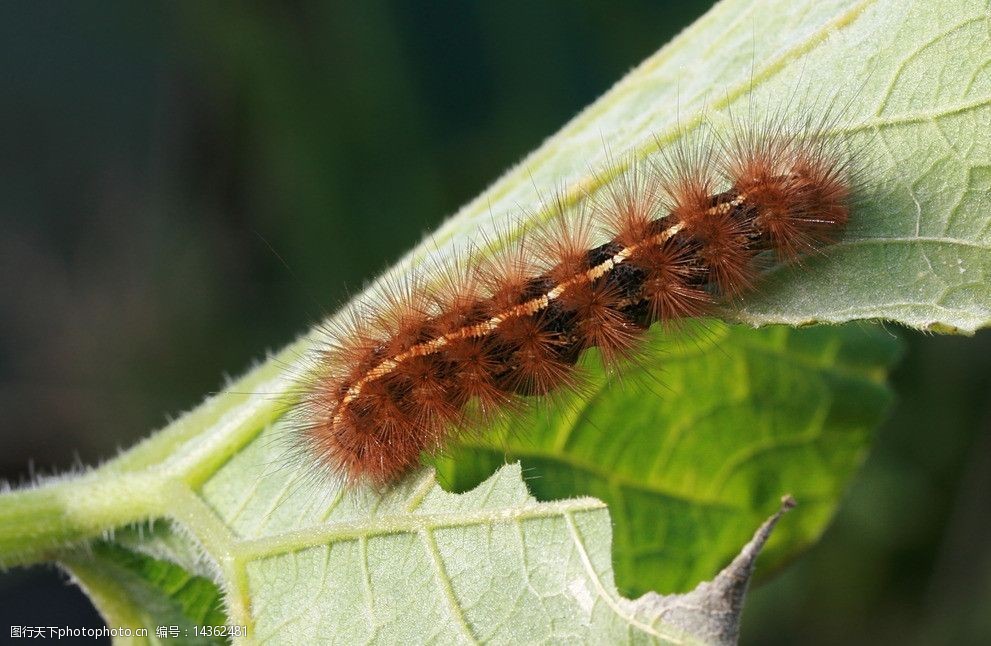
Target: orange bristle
673,279
406,376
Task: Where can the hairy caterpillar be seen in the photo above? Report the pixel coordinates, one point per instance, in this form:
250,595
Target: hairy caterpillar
667,240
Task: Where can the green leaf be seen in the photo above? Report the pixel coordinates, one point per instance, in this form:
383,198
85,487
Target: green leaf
908,84
753,414
419,564
698,442
134,590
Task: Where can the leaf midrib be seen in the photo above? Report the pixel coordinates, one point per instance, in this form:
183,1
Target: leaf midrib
318,535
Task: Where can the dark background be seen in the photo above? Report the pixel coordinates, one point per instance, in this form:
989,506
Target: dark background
157,159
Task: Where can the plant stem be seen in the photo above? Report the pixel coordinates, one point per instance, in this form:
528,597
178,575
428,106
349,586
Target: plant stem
38,521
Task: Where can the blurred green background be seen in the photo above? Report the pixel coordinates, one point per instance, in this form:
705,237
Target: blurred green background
160,160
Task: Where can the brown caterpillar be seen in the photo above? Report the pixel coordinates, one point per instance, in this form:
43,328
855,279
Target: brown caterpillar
408,374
